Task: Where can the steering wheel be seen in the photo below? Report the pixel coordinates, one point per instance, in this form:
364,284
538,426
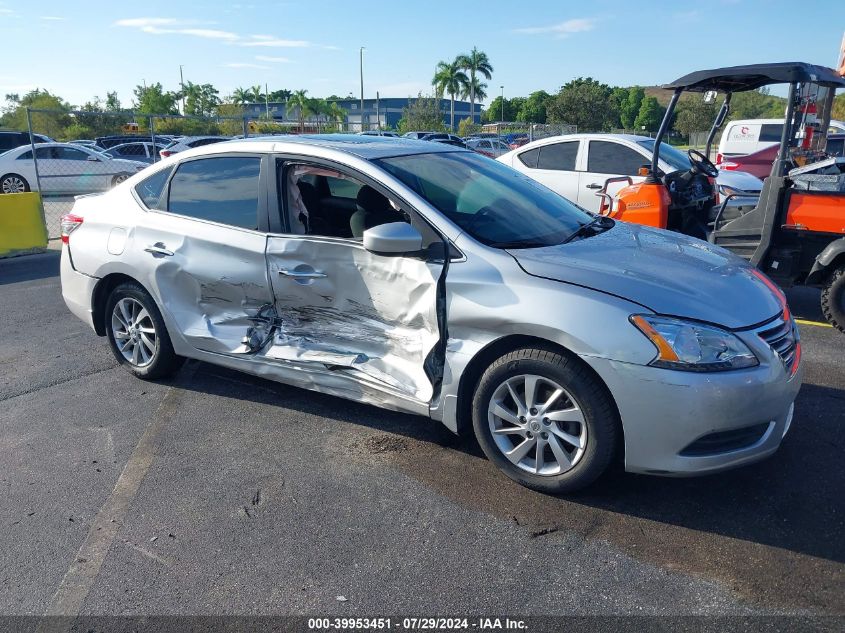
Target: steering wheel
702,164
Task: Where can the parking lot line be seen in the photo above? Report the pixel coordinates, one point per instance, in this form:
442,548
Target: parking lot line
817,323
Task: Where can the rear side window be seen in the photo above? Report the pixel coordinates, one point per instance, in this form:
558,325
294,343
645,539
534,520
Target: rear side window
771,132
559,156
834,147
529,158
136,149
221,189
151,188
606,157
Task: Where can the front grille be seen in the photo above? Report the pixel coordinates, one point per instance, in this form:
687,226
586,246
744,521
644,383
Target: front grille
726,441
782,337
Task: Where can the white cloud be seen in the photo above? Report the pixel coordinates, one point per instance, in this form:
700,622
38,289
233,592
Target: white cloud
274,60
245,65
52,18
212,34
142,22
274,43
562,29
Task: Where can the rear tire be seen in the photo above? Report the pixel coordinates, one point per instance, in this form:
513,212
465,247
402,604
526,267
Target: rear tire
833,299
545,420
13,183
137,335
119,179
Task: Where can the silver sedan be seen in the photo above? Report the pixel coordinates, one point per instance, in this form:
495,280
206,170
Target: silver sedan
428,279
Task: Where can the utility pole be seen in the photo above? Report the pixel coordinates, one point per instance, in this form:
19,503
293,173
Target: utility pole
267,100
182,84
503,103
361,67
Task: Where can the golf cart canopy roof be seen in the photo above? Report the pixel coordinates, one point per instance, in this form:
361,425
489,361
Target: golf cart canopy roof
741,78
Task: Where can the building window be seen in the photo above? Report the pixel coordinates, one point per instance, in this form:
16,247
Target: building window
353,106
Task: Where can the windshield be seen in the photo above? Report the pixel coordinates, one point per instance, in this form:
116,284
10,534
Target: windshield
495,204
677,159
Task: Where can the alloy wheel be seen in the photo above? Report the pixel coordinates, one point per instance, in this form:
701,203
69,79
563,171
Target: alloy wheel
134,332
13,184
537,425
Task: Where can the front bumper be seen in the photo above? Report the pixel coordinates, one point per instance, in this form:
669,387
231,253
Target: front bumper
77,290
663,412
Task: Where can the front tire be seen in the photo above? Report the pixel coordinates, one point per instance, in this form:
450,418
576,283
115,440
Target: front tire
137,335
13,183
545,420
833,299
119,179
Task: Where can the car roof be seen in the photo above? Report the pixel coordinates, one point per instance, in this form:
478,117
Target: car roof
366,147
751,77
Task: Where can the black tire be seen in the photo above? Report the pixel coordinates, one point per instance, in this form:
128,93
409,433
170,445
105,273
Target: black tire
164,361
586,392
6,180
119,178
833,299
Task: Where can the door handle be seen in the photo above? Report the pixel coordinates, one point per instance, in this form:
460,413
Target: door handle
296,274
158,249
594,185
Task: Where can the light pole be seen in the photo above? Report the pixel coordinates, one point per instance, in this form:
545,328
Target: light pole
361,68
182,84
503,103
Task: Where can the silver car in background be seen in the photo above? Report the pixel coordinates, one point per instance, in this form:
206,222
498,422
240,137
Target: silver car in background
428,279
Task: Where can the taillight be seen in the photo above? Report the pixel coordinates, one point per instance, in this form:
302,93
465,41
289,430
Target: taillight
70,223
165,153
729,166
719,159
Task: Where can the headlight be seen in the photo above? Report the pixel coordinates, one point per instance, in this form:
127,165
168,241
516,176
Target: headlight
691,346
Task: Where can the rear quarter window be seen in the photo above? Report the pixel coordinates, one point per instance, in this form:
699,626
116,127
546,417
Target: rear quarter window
530,158
150,189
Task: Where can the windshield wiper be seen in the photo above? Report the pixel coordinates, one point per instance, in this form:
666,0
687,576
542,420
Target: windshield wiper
598,224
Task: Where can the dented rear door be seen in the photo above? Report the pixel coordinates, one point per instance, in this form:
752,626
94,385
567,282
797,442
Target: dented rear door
341,307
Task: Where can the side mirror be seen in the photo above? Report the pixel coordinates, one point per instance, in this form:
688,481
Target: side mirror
93,159
394,238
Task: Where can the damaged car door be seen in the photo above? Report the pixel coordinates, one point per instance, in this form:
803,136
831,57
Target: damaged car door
371,315
203,246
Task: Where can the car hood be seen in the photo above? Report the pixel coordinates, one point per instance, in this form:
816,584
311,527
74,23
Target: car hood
666,272
741,180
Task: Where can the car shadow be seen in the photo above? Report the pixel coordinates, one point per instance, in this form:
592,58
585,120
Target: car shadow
805,303
794,500
30,267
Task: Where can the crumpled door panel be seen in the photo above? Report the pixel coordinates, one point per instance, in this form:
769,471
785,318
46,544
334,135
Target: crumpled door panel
371,313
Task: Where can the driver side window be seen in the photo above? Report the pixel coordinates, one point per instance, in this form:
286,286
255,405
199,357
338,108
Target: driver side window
607,157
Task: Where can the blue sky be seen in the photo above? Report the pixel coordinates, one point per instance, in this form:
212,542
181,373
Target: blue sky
82,49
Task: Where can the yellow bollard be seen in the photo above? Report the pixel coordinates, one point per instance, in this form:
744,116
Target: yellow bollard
22,228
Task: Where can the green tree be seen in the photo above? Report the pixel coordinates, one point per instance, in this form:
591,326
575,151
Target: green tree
693,115
476,89
586,103
303,105
534,108
233,124
838,110
630,108
153,99
422,114
240,96
112,102
466,127
201,99
757,104
279,96
449,78
476,63
50,123
649,116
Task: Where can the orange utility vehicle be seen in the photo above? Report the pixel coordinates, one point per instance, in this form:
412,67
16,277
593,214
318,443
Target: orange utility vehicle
795,232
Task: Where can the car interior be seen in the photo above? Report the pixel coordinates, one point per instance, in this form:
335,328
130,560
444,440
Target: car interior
327,202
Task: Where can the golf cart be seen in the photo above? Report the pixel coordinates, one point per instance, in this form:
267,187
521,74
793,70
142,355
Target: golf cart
796,231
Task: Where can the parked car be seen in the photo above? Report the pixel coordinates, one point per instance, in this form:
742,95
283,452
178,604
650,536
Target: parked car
516,140
90,144
417,135
9,139
378,133
107,142
491,147
63,168
189,142
142,152
759,163
578,165
340,265
748,136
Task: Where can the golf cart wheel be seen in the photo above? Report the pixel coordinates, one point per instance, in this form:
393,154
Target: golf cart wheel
833,299
545,420
13,183
137,335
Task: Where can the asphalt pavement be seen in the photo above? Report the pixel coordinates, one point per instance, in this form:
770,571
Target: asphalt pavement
221,493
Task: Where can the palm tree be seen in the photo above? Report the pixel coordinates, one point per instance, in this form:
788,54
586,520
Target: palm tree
335,113
257,96
475,62
475,89
304,106
450,78
241,96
